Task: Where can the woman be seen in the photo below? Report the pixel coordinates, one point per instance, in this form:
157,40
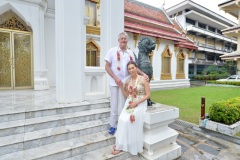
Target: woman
129,135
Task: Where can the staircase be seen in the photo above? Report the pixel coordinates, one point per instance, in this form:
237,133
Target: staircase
71,132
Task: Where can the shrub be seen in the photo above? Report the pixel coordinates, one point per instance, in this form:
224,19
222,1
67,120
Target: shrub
227,112
224,82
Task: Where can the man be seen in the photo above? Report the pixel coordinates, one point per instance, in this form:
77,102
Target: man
116,66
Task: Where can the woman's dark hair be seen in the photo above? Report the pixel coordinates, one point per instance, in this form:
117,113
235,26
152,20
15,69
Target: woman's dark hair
132,62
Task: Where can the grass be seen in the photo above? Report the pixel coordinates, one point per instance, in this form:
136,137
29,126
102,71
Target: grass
188,100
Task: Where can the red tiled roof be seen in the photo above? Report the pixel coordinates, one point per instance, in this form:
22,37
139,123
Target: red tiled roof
146,20
139,8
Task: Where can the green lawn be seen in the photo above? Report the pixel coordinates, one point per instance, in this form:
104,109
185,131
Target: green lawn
188,100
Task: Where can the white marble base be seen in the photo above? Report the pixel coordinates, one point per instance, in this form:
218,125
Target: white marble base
169,152
169,84
40,80
159,139
230,130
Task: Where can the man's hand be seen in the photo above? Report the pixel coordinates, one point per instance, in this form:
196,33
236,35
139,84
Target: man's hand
146,77
118,82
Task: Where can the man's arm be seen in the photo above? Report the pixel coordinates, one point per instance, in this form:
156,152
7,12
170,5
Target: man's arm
110,72
143,74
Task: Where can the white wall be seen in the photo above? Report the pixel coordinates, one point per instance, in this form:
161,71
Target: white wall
50,50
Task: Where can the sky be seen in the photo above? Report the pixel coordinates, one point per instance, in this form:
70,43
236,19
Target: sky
209,4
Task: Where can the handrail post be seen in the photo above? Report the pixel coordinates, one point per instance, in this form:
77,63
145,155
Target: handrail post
202,108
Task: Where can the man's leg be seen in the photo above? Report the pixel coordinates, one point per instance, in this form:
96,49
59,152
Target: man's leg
121,101
114,109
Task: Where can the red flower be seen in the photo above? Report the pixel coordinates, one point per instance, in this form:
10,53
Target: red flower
118,68
132,118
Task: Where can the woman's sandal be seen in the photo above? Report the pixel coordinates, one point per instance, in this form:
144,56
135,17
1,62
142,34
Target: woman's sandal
114,147
115,152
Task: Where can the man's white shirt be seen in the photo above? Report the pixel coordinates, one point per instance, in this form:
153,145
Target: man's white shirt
111,57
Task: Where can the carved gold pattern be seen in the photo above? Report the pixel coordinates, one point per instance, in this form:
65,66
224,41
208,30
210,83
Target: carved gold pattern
22,56
93,30
5,60
135,38
180,65
10,20
158,41
166,64
93,53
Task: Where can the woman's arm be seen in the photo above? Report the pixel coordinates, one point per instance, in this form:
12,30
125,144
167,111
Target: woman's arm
147,90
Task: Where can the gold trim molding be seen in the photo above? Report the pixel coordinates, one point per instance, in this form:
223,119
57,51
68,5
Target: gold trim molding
93,30
158,41
166,76
135,38
180,76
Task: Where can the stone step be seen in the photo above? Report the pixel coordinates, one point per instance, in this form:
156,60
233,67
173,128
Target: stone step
64,149
34,124
23,112
19,142
103,154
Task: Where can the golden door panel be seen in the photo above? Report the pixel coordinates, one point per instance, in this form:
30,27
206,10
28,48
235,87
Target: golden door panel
22,60
5,60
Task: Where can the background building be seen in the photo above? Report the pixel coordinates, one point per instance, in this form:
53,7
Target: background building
204,28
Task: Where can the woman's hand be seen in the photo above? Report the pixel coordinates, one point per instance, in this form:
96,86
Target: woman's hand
133,105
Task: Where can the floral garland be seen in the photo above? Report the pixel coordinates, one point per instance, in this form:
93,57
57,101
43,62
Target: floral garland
131,97
119,59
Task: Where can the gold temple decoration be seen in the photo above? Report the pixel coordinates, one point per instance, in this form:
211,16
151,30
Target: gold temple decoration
15,52
189,51
180,65
10,20
135,38
92,53
158,41
166,64
176,49
93,30
5,61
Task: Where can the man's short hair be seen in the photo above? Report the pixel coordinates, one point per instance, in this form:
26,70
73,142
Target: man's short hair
123,33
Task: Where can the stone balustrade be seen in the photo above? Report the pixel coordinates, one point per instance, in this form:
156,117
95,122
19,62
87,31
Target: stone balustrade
159,139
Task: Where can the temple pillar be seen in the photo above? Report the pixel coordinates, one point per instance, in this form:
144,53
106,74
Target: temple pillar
70,50
40,70
112,23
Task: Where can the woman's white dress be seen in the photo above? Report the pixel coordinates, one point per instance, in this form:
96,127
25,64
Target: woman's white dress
129,136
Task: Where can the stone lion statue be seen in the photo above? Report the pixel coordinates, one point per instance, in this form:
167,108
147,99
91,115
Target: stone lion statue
146,45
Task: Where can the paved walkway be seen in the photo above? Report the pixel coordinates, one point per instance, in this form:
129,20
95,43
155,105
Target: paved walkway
202,144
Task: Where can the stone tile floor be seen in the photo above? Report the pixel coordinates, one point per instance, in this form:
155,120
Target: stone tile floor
196,143
202,144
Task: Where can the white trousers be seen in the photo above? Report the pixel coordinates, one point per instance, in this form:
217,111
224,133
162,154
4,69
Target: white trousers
117,104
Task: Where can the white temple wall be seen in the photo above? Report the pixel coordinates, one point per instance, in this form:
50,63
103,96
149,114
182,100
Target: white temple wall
50,50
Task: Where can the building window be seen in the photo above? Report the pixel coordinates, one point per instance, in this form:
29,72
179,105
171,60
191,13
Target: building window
92,53
200,69
166,64
200,56
211,29
180,65
190,21
201,40
201,25
210,57
187,10
219,32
